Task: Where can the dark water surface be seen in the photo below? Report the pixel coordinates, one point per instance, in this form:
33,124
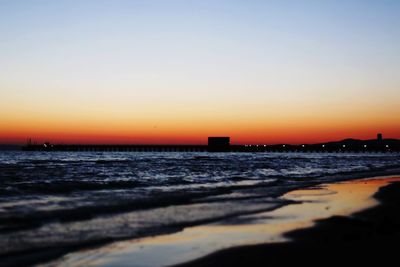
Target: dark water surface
60,200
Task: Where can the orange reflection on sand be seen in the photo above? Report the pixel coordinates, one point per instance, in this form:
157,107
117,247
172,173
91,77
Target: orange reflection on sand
316,203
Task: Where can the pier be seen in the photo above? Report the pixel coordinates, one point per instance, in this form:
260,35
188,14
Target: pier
348,145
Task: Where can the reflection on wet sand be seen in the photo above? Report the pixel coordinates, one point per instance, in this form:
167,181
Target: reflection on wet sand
268,227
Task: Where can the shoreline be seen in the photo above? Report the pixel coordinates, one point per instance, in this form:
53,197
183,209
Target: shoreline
123,253
54,252
369,236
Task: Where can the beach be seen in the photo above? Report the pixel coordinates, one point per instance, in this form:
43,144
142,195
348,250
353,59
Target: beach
370,236
165,209
199,133
353,221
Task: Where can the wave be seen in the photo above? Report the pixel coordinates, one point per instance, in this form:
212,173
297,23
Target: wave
65,199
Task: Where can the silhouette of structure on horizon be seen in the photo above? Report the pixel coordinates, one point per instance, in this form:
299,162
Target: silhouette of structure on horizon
218,144
222,144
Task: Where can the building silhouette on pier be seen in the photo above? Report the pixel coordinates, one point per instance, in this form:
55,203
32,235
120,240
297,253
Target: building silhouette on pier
218,144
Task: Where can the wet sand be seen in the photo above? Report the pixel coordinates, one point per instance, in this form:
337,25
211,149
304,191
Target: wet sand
356,221
369,237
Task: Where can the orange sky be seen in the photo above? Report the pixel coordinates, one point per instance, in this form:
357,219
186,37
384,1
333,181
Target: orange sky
193,131
174,72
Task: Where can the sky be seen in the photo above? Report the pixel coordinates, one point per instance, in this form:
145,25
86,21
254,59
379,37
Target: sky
169,72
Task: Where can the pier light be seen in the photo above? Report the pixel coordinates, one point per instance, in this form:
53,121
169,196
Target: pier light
365,145
323,145
283,145
387,146
344,145
265,145
45,145
303,145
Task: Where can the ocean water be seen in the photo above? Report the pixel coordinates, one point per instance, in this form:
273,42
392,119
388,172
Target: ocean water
60,200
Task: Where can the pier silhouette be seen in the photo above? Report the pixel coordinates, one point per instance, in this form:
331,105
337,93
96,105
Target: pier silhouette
222,144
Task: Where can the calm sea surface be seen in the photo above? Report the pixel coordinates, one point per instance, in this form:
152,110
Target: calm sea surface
58,200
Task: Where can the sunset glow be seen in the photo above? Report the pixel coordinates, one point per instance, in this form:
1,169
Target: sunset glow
170,72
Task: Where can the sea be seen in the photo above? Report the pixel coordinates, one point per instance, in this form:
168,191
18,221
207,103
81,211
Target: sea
63,201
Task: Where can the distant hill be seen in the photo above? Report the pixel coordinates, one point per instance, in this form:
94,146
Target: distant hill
370,141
